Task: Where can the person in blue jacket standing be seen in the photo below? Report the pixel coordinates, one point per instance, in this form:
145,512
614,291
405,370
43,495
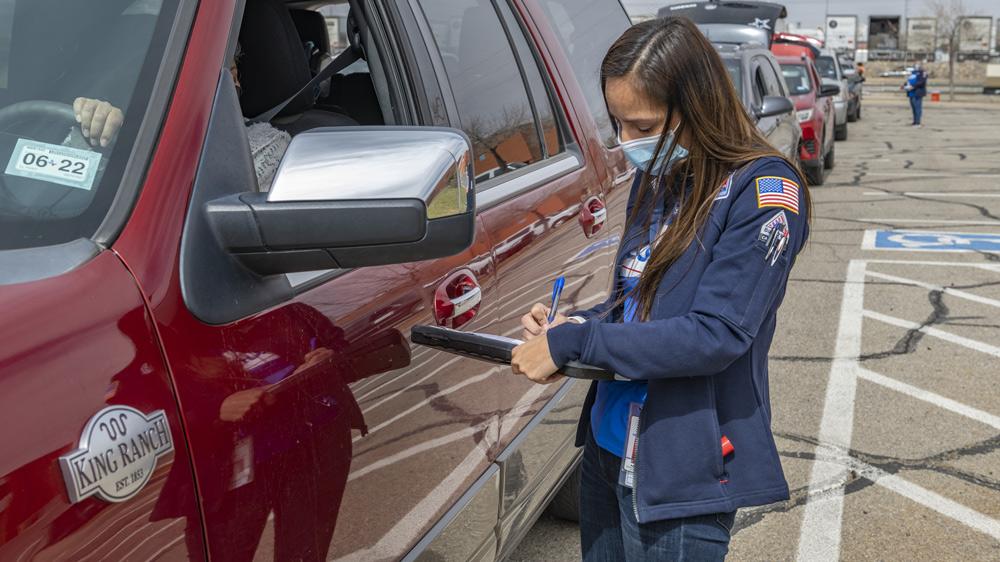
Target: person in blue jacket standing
916,89
715,219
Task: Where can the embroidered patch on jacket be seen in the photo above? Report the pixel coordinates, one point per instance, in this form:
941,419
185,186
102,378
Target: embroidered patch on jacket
777,224
727,186
774,191
774,235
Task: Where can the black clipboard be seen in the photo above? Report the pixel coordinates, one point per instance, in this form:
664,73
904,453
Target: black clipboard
493,349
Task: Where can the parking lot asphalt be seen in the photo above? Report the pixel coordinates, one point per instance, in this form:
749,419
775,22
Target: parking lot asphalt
885,369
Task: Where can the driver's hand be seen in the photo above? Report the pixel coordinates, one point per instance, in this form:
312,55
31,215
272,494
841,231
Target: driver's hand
99,120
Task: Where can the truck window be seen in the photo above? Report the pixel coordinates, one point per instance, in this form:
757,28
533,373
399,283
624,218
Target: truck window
586,28
776,76
759,87
771,82
485,79
541,95
60,61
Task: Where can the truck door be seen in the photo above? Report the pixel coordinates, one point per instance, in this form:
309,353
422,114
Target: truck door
540,199
316,431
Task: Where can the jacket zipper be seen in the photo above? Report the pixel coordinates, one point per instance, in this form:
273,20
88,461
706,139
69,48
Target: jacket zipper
635,482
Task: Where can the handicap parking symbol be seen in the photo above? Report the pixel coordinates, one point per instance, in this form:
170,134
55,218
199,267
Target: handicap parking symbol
920,240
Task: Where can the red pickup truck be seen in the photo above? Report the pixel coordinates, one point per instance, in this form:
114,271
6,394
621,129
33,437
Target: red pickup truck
194,368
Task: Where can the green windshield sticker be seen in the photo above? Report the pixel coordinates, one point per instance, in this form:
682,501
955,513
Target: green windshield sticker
54,163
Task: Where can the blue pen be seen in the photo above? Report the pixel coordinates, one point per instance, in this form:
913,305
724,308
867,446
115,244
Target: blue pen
557,288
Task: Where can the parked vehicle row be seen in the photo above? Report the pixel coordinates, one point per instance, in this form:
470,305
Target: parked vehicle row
814,108
825,96
195,368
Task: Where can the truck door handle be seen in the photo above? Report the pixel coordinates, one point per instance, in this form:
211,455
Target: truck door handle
593,216
457,299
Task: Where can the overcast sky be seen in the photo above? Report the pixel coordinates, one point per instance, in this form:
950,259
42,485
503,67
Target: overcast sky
811,13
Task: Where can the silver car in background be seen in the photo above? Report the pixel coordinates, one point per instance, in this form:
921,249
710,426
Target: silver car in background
830,72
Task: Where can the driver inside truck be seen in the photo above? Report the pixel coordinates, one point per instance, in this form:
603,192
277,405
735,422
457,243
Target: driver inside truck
100,121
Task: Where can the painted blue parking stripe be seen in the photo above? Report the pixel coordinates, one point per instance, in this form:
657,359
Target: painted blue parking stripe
926,241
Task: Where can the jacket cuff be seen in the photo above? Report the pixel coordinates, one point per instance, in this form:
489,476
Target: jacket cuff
566,342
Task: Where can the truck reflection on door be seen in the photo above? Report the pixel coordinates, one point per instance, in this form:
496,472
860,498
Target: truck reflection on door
255,470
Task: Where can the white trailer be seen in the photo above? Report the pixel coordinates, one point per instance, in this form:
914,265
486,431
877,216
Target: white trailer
842,33
974,34
921,35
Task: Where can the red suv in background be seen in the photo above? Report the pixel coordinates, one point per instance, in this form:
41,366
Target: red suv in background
813,108
195,368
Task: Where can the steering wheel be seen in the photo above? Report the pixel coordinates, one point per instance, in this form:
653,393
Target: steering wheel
50,113
46,121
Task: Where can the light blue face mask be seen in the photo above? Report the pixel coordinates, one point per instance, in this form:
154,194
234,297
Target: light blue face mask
640,151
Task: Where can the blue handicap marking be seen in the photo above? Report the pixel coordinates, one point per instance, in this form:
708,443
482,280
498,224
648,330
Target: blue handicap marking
934,241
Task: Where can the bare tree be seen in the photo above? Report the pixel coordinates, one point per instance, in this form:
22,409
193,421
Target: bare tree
493,131
949,15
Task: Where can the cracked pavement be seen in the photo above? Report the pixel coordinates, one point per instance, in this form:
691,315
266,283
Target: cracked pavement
917,474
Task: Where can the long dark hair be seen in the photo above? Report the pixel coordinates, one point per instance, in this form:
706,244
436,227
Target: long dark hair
673,64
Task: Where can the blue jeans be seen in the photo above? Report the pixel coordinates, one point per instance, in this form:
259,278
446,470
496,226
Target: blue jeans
917,105
609,531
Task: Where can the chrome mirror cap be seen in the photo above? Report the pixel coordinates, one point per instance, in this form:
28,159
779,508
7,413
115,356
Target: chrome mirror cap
433,165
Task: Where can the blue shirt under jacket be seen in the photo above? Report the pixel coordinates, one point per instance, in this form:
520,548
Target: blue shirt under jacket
703,351
609,415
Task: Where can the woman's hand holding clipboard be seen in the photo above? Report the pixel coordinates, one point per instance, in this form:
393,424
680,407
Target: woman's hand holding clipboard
493,349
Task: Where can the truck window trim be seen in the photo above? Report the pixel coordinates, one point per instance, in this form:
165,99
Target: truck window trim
528,178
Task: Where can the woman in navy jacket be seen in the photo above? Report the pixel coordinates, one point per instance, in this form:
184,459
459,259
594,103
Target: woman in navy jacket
715,219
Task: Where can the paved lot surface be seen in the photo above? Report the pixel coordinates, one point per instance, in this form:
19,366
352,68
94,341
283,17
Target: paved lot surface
885,371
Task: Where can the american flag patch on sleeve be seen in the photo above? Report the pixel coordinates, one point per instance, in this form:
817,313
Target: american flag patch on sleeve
774,191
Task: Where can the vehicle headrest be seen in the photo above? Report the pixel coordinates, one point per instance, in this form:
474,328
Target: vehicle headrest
274,63
312,27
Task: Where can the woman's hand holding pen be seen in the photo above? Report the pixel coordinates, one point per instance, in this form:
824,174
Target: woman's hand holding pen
532,358
536,322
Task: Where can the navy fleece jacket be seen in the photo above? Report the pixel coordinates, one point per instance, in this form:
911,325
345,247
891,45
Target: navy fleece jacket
704,352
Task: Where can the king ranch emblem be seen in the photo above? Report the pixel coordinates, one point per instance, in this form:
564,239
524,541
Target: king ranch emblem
117,454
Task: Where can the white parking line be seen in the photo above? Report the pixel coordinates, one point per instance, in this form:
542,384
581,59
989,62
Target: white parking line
930,175
931,331
937,502
934,221
931,194
819,538
919,494
930,397
984,266
931,287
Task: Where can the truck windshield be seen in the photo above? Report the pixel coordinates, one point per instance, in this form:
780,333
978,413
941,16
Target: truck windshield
76,77
797,79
